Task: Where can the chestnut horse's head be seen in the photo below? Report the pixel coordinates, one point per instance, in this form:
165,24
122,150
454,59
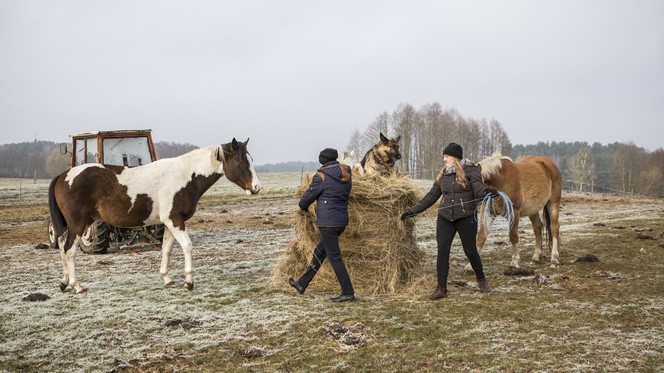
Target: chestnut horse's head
239,166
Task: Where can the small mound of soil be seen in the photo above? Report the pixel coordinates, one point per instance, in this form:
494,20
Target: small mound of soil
514,271
588,258
36,297
185,324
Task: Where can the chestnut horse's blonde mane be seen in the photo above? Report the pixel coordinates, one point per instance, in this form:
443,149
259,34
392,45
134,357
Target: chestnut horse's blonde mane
492,164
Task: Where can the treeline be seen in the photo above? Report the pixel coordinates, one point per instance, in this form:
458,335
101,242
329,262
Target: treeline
288,167
617,167
42,159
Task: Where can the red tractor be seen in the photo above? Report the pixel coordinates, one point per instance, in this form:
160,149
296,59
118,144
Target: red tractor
128,148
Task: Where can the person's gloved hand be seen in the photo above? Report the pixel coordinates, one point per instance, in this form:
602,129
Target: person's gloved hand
407,215
491,193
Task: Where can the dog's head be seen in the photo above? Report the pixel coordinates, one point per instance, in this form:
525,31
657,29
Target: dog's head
388,149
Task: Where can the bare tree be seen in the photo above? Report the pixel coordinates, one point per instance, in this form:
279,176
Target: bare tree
371,135
581,168
57,163
403,120
627,160
354,144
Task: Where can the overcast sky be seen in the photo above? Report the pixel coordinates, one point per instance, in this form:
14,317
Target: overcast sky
299,76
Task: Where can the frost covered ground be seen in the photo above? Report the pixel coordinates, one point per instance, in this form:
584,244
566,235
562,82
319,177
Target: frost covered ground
600,316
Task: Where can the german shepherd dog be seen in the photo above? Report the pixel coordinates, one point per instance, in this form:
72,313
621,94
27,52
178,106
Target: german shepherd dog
381,157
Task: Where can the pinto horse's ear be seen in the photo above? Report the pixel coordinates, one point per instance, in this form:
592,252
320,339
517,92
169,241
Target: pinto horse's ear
398,138
383,139
246,142
234,144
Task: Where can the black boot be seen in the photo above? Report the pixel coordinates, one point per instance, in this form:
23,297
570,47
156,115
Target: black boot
343,298
484,286
440,292
300,289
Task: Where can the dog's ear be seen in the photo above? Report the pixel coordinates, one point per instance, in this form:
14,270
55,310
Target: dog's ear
383,139
397,138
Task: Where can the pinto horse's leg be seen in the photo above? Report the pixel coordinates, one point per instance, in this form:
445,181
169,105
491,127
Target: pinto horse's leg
69,267
537,229
64,281
166,247
185,242
514,239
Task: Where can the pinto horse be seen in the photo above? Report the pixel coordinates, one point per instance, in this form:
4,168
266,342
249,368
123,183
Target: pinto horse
166,191
533,183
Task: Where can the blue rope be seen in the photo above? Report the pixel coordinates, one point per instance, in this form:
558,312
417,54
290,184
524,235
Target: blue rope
508,210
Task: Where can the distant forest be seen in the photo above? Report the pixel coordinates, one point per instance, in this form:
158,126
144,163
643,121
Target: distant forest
616,168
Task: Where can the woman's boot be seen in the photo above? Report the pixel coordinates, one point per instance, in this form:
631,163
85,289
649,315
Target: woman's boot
484,286
440,292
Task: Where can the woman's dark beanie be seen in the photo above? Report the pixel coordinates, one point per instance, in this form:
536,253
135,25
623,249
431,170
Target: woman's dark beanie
328,155
453,149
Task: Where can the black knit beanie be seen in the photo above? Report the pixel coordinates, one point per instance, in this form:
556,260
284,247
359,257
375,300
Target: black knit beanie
328,155
453,149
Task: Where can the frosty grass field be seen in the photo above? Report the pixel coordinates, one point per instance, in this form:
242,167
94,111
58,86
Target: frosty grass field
606,315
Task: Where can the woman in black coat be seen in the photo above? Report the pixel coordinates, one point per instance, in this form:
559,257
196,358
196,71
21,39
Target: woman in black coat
460,185
330,187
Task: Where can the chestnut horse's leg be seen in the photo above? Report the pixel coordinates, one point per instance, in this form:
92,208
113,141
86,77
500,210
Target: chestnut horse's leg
554,210
166,247
514,239
483,230
537,229
183,239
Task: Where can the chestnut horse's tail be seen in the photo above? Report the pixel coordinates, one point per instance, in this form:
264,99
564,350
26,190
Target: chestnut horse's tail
59,222
547,224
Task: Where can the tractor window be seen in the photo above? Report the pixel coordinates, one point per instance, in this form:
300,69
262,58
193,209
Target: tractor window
79,157
91,150
127,151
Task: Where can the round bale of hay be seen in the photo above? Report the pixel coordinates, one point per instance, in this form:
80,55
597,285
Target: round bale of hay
378,249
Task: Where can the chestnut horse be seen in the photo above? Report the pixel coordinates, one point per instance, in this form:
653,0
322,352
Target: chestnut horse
165,191
532,183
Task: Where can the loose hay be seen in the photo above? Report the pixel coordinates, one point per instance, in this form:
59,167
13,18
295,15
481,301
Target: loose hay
379,250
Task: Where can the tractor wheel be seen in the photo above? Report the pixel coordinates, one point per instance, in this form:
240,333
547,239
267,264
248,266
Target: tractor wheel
50,230
96,238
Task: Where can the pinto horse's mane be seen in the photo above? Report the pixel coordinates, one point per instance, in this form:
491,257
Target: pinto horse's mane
492,164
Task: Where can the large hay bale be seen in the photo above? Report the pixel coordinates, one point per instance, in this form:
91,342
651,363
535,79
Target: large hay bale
379,249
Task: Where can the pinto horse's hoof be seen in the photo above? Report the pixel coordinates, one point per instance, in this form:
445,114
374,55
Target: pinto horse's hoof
189,285
82,291
169,284
63,287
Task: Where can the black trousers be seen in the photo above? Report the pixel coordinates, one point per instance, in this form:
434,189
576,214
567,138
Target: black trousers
328,247
445,231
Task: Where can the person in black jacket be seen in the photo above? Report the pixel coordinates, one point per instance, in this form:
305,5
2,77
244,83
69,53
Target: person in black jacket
330,186
460,185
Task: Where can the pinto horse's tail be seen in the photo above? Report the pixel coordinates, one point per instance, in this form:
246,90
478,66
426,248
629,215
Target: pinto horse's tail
59,222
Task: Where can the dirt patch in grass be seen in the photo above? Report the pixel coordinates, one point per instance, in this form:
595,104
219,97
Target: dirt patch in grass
600,315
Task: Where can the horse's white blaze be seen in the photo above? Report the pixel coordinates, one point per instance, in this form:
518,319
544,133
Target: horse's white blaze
255,182
75,171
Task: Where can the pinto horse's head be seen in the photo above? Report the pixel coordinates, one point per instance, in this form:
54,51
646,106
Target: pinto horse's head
239,166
